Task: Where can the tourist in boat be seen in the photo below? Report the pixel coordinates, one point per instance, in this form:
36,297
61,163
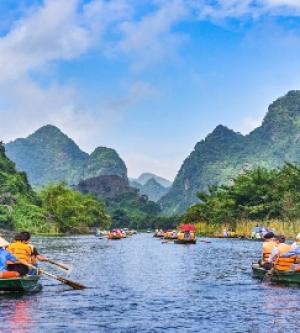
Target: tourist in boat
294,253
4,257
277,258
23,252
35,256
268,245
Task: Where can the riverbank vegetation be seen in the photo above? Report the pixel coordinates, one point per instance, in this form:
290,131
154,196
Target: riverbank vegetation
270,197
54,209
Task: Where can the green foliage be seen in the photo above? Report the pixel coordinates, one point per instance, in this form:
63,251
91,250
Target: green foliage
19,204
133,211
72,211
258,194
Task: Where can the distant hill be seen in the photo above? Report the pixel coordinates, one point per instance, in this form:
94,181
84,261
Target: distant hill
145,177
151,185
224,153
50,156
152,189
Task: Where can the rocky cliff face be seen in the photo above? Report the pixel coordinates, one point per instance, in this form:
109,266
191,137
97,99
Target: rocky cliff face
105,186
224,153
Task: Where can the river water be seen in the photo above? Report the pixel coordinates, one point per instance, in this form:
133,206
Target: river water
140,284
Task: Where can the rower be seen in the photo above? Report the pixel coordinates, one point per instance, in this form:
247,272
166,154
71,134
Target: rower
35,256
268,246
23,252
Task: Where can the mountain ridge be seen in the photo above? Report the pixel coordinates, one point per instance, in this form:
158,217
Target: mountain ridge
224,153
50,156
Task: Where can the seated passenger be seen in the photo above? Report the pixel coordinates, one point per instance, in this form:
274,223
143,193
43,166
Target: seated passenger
23,252
268,246
281,263
4,257
295,252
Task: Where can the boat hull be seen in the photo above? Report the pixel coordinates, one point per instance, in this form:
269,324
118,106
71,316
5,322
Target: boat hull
276,276
185,241
23,284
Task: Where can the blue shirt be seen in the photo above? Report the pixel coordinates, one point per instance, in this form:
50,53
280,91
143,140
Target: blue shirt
4,256
293,252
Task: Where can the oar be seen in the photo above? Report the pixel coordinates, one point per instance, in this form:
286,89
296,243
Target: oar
73,284
204,241
58,264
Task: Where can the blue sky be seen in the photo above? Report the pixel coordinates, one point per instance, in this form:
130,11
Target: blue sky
148,78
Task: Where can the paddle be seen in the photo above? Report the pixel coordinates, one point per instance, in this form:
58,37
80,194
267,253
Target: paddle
58,264
73,284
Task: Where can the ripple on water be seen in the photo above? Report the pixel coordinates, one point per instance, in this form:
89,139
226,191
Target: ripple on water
141,285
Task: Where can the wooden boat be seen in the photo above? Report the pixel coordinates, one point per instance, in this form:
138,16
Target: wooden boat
276,276
185,241
27,283
156,235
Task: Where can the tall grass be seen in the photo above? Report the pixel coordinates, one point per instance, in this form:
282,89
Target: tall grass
244,227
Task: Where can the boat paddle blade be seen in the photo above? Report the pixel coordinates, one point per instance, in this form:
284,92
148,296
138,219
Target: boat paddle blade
73,284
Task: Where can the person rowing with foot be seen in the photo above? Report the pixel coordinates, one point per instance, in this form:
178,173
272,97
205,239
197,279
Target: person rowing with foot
4,257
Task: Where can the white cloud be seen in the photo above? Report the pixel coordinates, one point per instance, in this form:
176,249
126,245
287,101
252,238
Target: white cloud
25,107
151,38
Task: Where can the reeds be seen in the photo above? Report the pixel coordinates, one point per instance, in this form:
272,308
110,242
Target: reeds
244,227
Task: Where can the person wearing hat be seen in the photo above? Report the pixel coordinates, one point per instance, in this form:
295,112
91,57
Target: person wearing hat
268,245
4,257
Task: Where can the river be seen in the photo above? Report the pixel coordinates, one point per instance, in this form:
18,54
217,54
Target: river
140,284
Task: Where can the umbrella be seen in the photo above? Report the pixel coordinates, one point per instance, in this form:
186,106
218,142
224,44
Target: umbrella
187,227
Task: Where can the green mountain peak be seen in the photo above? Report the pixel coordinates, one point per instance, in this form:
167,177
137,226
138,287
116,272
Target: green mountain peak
224,154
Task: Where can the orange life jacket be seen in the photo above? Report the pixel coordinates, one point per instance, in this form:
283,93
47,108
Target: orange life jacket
267,249
180,235
20,251
284,264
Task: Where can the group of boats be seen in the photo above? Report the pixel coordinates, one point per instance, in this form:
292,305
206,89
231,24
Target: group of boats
115,234
185,235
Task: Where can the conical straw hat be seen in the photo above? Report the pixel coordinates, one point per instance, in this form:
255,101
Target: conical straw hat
3,242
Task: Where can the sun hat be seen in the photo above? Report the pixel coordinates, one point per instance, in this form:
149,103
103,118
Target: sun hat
3,242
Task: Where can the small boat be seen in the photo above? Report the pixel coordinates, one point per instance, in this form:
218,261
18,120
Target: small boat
276,276
28,283
185,241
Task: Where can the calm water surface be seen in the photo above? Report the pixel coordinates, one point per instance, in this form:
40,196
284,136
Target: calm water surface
140,284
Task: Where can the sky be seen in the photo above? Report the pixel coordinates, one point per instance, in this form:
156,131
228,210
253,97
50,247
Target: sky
149,78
